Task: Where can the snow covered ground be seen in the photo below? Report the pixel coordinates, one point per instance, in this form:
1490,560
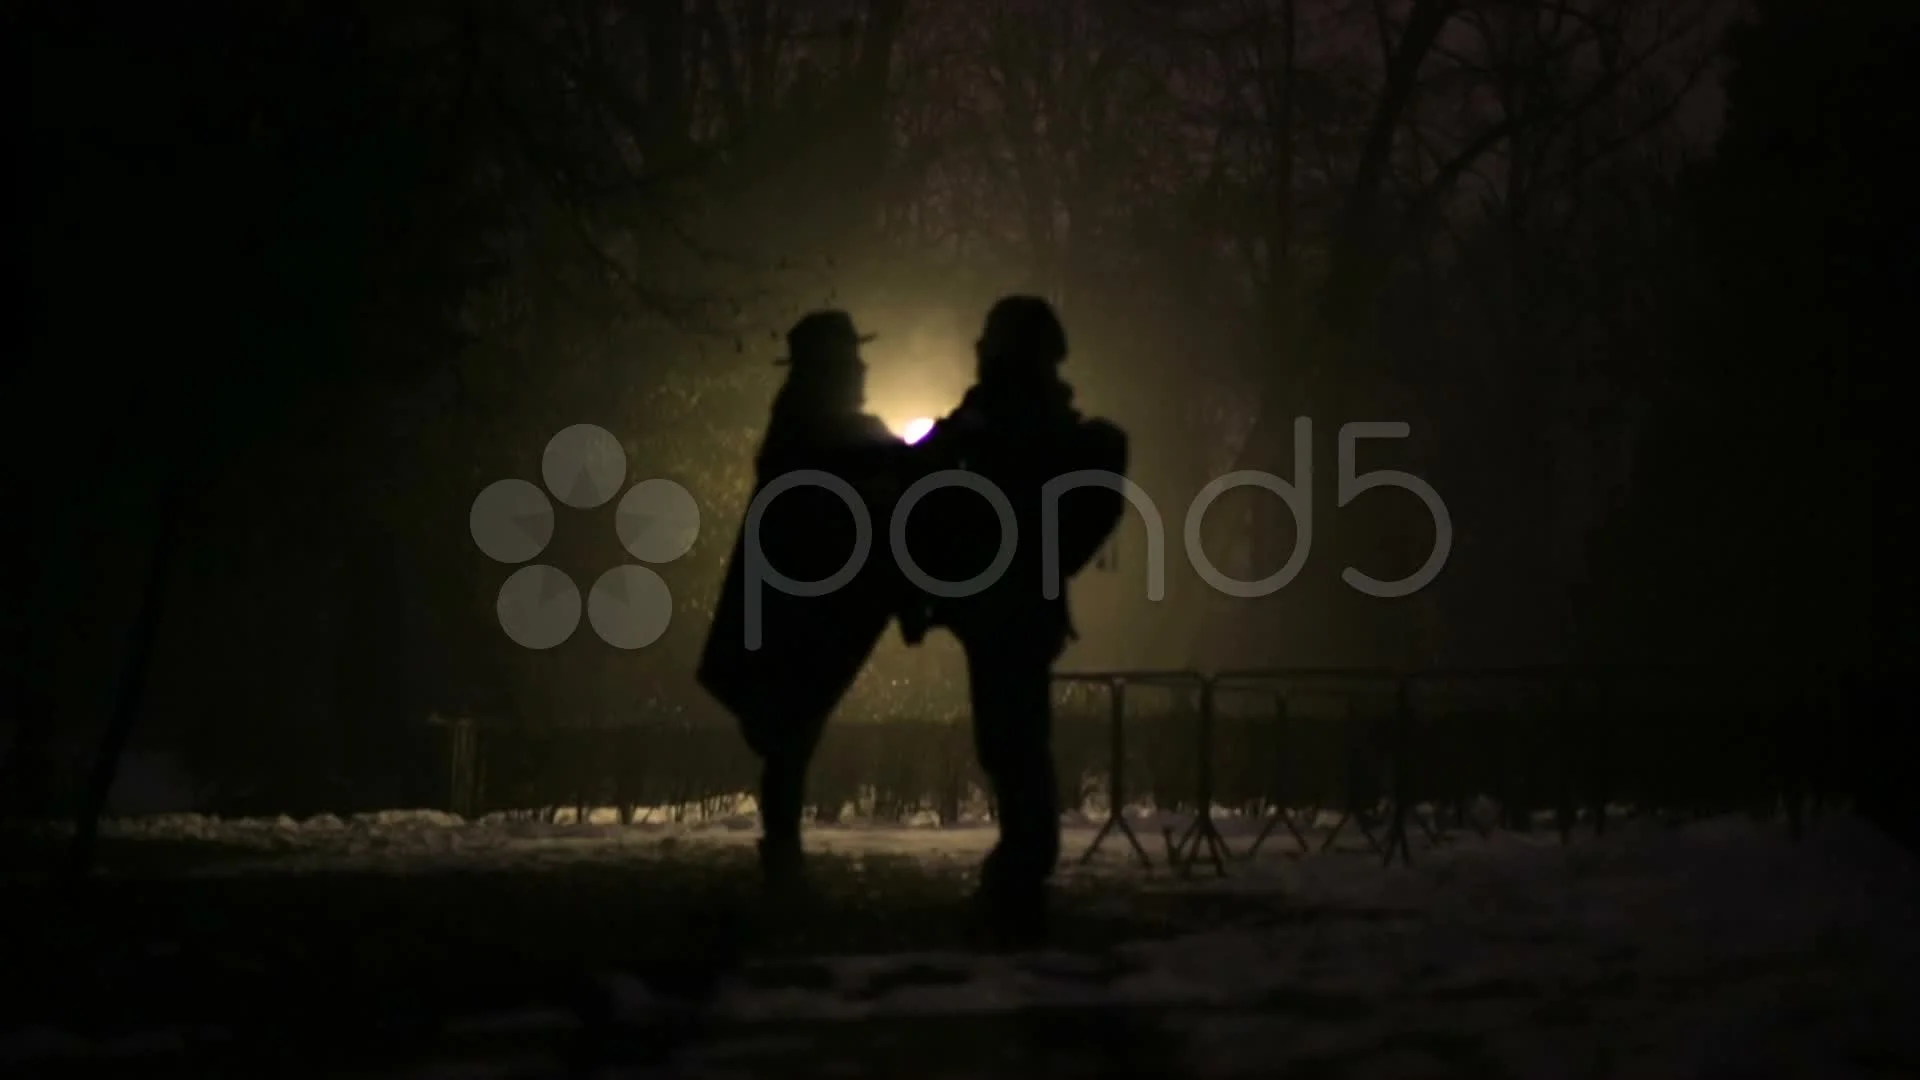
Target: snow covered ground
433,840
1718,949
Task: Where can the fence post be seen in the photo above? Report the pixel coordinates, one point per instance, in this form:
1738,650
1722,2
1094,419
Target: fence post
1790,769
1399,761
1568,725
462,755
1116,776
1282,813
1203,833
1606,746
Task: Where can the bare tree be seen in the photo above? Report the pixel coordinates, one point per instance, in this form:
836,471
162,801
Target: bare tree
1602,85
1436,92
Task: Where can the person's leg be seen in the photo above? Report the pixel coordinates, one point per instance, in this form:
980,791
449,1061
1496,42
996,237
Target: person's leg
1013,737
783,793
783,778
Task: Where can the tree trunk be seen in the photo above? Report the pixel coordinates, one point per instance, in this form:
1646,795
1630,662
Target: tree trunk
132,693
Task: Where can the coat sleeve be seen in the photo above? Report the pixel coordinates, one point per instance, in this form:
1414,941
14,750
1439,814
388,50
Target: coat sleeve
1089,515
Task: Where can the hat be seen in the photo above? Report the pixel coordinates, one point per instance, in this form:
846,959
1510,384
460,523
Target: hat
1024,326
821,333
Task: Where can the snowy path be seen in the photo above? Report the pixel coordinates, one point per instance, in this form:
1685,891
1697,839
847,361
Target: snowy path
1719,949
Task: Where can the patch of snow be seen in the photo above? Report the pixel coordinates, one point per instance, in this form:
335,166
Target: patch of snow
1721,947
37,1044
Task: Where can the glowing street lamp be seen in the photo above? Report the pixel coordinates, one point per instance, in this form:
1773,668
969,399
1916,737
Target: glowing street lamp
916,429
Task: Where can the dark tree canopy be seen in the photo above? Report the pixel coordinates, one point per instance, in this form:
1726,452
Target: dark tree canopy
215,266
326,269
1769,508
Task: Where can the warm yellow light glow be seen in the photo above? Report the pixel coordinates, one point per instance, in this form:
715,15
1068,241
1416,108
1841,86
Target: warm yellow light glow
917,429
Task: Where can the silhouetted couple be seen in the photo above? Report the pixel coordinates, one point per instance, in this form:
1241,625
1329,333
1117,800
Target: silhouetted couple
1016,430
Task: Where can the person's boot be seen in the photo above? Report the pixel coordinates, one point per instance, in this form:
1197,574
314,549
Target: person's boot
783,870
1012,917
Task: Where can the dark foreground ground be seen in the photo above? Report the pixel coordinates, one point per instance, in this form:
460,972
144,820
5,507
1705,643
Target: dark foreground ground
1719,949
364,973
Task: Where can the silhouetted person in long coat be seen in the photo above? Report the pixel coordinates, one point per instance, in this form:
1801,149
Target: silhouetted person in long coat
810,648
1016,429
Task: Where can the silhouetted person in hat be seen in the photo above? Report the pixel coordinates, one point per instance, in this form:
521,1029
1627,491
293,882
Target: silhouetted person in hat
1016,429
811,647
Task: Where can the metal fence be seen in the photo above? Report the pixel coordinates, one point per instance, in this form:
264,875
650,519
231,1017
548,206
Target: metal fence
1389,752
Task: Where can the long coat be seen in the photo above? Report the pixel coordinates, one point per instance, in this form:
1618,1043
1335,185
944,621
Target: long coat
811,648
